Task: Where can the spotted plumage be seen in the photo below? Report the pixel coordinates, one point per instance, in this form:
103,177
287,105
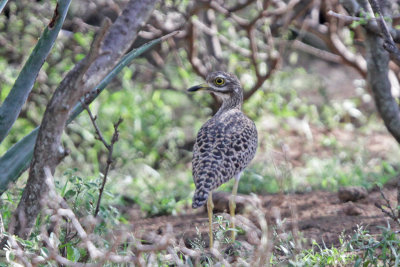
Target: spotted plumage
226,143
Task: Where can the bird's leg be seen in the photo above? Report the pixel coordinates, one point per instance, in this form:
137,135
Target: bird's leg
210,206
232,206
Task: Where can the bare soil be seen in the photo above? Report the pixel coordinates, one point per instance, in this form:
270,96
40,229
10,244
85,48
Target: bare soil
317,215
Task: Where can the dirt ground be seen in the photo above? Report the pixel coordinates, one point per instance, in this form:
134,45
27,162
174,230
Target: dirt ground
318,215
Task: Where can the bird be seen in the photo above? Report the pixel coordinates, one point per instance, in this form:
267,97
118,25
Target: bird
224,145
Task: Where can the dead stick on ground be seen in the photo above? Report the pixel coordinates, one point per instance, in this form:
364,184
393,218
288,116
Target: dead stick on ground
109,146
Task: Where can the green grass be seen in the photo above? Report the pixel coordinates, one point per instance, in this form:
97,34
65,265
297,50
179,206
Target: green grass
360,249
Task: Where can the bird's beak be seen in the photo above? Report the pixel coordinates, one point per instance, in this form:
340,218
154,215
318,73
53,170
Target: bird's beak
202,86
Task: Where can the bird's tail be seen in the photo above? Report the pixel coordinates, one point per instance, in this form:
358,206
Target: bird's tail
199,198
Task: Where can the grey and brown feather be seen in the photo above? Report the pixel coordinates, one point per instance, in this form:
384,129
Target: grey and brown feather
226,143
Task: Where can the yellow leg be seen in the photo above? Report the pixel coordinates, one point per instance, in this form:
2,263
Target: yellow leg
210,206
232,207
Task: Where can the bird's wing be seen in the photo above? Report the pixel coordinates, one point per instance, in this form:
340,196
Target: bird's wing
223,148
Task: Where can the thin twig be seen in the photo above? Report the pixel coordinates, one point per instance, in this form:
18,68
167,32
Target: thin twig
114,139
224,40
109,147
389,211
99,135
220,9
272,61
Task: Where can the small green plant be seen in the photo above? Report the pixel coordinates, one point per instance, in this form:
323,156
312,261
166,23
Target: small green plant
375,250
322,256
80,192
360,249
222,233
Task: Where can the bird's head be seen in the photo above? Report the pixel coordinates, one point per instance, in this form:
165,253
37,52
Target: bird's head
222,84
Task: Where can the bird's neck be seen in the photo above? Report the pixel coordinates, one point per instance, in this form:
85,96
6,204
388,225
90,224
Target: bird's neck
233,101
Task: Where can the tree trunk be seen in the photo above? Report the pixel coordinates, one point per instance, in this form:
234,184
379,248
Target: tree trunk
377,74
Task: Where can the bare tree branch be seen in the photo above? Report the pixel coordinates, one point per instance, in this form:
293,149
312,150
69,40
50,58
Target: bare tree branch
325,55
336,44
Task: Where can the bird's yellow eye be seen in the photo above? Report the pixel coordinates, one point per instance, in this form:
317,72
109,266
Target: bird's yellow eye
219,81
